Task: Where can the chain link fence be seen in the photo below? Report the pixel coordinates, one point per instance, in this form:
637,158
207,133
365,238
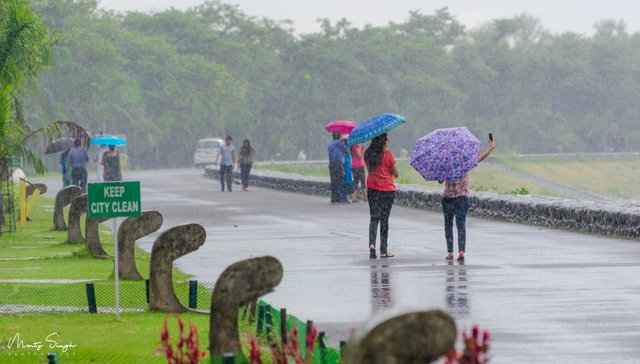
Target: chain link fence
20,299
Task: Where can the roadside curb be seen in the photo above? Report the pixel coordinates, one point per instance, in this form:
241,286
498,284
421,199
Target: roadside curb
581,216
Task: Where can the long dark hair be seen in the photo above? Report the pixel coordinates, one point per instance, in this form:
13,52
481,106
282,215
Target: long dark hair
373,154
246,147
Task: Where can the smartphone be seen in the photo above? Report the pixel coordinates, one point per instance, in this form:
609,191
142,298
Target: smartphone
491,136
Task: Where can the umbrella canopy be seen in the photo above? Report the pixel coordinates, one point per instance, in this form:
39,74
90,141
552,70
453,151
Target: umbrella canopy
446,154
59,145
108,140
340,126
373,127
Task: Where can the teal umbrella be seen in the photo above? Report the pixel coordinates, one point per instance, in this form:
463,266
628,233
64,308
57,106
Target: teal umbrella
108,140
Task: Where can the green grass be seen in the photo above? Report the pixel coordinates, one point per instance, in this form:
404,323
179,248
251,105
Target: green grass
609,178
54,258
99,338
482,178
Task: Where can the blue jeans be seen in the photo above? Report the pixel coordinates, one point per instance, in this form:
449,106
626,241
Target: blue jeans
226,175
455,207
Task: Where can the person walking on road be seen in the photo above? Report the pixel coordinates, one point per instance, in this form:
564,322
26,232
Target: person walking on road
111,164
455,204
381,191
78,159
64,164
337,151
99,166
347,181
245,159
227,159
359,175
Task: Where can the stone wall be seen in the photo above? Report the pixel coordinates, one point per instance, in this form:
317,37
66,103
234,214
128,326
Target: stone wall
589,217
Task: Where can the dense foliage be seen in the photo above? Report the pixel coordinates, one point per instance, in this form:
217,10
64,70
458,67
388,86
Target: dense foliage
169,78
25,50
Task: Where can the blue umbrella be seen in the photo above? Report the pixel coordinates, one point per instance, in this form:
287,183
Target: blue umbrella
373,127
108,140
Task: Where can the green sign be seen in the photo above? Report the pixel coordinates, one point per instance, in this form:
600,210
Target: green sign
114,199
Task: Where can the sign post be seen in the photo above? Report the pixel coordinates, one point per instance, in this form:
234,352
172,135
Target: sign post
112,200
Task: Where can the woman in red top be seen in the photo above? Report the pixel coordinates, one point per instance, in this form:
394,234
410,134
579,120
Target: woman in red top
381,191
359,175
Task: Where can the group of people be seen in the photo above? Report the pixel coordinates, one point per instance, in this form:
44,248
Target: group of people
347,172
227,159
74,163
380,191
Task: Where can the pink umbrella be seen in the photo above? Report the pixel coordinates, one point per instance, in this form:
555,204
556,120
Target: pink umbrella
340,126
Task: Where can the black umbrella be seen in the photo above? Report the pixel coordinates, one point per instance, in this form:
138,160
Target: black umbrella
59,145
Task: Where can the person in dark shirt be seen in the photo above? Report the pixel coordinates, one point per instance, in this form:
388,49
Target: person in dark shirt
111,163
337,151
78,159
64,156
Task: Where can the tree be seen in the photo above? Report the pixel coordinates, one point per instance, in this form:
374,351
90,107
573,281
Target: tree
24,52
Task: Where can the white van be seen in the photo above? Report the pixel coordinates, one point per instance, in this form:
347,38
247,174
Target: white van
206,151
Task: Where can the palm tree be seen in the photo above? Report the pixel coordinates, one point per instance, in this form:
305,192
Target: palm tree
25,50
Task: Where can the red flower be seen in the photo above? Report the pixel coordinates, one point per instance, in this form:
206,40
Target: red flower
475,349
186,350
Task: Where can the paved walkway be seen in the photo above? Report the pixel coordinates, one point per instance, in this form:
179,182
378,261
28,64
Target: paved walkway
546,296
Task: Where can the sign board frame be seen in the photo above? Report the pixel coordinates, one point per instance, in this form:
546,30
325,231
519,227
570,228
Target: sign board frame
113,199
110,200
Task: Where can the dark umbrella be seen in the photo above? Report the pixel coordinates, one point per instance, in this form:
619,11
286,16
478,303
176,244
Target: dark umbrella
59,145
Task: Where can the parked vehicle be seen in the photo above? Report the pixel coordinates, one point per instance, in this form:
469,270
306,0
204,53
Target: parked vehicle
206,151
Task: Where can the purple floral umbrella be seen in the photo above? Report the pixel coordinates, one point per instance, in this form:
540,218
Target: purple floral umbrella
446,154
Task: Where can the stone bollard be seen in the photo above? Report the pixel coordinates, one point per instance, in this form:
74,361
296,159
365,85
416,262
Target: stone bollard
240,284
169,246
92,238
77,209
418,337
64,197
132,229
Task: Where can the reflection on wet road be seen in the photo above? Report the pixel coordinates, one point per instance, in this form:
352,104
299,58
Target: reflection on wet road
457,300
546,296
380,289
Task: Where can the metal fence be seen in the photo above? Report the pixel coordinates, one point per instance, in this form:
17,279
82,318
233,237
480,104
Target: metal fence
19,298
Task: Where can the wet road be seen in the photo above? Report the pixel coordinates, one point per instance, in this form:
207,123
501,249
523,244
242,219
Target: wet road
546,296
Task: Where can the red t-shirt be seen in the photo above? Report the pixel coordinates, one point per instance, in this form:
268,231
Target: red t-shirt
355,161
381,178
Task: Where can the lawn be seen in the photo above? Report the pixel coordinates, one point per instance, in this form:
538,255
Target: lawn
37,253
608,178
98,338
482,178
